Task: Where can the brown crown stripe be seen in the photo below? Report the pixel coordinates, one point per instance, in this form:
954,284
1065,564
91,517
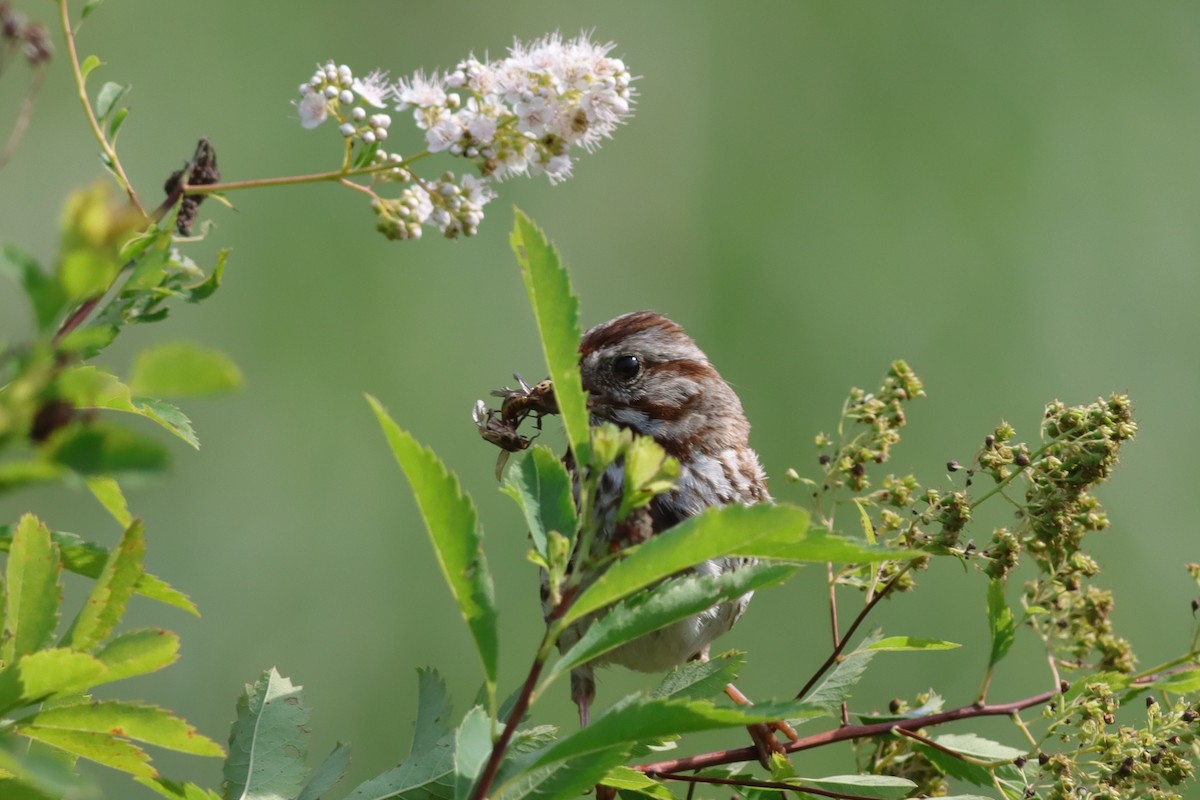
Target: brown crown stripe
624,326
687,368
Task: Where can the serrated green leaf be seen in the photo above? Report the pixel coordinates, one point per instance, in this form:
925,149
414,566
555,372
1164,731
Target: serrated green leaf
182,369
34,590
882,786
907,643
203,290
103,748
54,671
90,387
626,779
88,559
429,776
143,723
168,416
976,747
433,711
178,791
44,293
472,746
677,599
108,492
1000,622
138,652
268,743
701,679
717,532
107,98
540,485
106,603
454,529
636,718
89,64
328,774
556,312
565,779
835,689
99,448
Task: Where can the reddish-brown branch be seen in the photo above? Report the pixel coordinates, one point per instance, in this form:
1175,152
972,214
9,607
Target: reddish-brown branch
846,732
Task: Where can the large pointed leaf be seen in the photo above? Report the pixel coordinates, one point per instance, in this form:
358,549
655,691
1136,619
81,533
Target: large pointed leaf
542,488
717,532
103,748
556,312
454,529
636,718
113,588
898,644
36,676
138,652
90,387
108,492
268,744
885,787
835,689
978,749
142,723
34,591
665,604
564,779
472,746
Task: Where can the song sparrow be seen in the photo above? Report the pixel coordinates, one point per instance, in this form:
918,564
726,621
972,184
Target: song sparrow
642,372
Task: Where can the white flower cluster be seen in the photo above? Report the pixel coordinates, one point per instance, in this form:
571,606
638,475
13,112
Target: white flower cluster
522,115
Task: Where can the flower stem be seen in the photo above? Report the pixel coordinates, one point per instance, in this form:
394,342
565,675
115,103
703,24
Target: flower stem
291,180
110,154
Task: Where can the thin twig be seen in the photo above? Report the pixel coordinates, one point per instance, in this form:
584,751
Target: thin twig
80,86
840,646
24,115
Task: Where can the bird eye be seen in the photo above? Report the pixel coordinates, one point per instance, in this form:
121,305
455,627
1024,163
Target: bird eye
626,367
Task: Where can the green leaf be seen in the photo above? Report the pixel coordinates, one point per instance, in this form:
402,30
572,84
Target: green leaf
114,125
556,312
46,774
565,779
472,746
88,559
34,590
882,786
976,747
88,8
835,689
100,448
454,530
677,599
178,791
89,64
107,98
1000,622
138,652
433,711
715,533
326,776
933,705
204,290
428,776
182,369
55,671
106,604
701,679
168,416
268,743
44,293
906,643
103,748
626,779
142,723
1184,682
636,718
108,492
89,387
541,487
865,519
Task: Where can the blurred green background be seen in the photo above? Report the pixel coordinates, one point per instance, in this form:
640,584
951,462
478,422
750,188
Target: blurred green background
1005,195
